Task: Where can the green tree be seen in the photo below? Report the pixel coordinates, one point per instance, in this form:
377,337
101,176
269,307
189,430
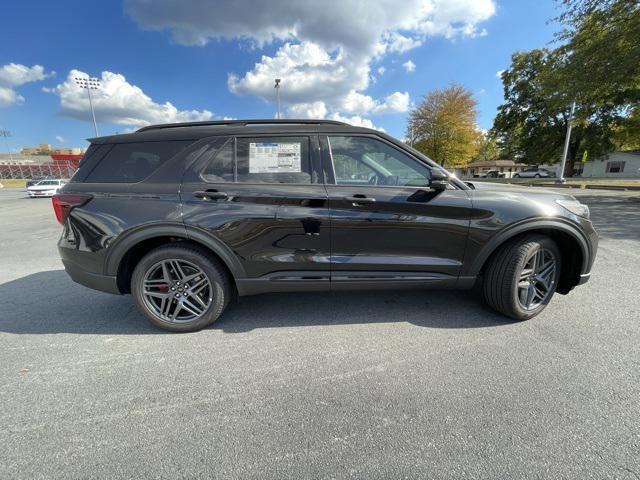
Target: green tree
602,46
487,147
443,126
597,67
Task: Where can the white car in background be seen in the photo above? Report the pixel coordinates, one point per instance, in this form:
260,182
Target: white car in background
534,172
45,188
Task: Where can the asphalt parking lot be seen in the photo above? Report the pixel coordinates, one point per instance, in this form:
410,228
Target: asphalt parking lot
364,385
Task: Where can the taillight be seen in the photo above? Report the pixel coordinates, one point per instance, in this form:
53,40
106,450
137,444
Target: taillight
63,203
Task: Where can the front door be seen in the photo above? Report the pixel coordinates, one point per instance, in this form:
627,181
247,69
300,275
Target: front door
261,197
388,226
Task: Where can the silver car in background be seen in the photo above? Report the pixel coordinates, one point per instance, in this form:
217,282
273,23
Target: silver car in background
535,172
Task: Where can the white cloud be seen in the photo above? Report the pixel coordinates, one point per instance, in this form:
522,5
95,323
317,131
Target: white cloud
396,42
316,110
9,97
381,70
397,102
355,25
14,75
409,66
499,74
117,101
326,52
60,139
356,120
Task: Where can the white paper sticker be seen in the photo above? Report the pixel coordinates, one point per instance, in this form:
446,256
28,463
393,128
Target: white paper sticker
271,157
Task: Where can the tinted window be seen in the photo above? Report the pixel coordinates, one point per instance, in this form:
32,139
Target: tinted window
92,156
261,160
367,161
132,162
273,160
220,166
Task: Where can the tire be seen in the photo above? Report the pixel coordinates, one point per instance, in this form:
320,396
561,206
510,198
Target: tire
167,296
517,175
537,175
509,282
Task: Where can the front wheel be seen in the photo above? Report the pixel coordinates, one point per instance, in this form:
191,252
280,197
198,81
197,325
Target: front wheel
522,276
516,175
180,288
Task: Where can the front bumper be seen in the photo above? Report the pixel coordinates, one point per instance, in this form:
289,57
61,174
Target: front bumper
41,193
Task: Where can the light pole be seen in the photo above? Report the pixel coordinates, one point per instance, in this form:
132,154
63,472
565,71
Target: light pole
277,87
567,140
89,83
6,134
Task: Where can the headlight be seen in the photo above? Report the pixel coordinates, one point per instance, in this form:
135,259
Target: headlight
575,207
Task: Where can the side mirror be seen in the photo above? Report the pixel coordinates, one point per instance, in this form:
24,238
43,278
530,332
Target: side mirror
439,180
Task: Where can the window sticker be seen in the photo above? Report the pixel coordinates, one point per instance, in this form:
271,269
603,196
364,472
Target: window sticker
271,157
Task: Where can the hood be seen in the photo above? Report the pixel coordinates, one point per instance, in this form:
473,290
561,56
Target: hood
486,187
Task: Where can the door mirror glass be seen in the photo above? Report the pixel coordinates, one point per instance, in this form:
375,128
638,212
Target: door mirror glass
367,161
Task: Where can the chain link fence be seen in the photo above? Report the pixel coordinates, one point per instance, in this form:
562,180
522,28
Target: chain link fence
26,172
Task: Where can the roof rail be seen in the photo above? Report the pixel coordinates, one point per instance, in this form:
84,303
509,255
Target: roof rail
241,123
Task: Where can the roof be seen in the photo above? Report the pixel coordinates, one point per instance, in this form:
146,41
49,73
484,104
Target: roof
198,130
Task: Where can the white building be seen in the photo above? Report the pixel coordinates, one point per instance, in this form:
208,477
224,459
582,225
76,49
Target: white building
613,165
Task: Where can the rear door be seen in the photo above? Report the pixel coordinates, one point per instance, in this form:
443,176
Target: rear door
262,198
388,225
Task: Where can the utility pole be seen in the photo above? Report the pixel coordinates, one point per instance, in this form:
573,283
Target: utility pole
89,83
567,140
277,87
6,134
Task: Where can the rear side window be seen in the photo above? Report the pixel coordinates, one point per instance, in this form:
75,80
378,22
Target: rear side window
133,162
220,166
91,157
262,160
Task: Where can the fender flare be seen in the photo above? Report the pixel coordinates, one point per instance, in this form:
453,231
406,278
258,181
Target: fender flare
127,241
523,227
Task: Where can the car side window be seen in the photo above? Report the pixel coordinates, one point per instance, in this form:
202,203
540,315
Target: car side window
273,160
367,161
133,162
219,169
262,160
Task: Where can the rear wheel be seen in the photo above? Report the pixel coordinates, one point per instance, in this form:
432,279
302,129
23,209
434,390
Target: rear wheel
517,175
522,277
180,288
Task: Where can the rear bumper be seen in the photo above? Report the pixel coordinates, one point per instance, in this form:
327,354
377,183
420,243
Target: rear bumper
72,261
104,283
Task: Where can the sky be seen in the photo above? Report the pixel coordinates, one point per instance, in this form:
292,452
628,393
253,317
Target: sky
366,62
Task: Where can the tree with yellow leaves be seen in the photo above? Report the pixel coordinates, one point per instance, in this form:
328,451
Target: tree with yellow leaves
443,126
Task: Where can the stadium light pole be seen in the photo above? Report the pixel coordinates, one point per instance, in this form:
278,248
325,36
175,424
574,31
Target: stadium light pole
6,134
89,83
277,87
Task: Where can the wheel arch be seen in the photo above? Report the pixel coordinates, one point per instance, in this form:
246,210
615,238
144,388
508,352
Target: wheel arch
573,247
129,250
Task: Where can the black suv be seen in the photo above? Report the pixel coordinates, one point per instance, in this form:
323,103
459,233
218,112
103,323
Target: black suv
186,216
